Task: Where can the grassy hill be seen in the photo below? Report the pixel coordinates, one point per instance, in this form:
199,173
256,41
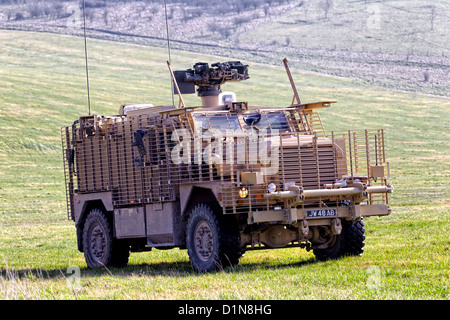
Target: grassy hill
396,44
43,88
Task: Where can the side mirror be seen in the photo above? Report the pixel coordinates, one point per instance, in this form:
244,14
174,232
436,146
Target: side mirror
252,119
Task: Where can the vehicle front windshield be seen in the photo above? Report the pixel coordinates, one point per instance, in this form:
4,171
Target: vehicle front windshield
220,122
273,120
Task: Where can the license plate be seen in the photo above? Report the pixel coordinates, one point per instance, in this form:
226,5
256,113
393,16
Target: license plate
321,213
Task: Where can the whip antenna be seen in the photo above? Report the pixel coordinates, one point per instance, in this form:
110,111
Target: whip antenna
168,49
86,56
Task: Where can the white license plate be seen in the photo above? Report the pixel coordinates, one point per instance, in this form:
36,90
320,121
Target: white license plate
321,213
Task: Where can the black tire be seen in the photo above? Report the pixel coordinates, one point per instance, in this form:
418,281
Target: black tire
333,251
99,246
213,240
354,237
349,243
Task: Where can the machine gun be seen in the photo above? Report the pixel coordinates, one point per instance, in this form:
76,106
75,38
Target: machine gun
208,79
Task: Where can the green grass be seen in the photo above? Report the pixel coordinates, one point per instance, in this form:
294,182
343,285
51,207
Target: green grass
43,88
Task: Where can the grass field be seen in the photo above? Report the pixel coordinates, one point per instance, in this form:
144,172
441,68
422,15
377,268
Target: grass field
43,88
395,44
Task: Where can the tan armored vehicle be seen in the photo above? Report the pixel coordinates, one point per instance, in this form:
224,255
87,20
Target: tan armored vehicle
220,179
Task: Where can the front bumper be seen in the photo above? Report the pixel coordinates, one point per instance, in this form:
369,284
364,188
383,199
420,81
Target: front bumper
294,198
292,215
297,194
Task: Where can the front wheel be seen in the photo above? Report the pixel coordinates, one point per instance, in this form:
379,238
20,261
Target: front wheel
349,243
355,235
213,241
99,246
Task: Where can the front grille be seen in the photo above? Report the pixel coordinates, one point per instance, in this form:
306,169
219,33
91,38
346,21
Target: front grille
310,165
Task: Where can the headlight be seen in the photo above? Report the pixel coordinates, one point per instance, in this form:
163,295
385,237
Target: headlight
271,187
243,192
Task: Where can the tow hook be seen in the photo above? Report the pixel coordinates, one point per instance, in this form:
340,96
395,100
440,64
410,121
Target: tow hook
336,226
304,227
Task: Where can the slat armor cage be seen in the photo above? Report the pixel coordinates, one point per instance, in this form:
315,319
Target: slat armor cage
103,154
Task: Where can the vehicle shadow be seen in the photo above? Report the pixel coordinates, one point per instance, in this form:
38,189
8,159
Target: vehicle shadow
271,265
168,269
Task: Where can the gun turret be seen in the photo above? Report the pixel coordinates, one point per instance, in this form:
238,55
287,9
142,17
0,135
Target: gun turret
208,79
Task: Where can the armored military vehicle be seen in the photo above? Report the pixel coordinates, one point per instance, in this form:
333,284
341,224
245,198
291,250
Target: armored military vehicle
221,178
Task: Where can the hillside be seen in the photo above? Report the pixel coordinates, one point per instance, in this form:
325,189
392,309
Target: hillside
43,88
396,44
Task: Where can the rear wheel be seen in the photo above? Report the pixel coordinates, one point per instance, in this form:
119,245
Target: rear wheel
99,246
213,241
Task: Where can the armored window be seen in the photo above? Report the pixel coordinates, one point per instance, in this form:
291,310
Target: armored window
267,120
220,122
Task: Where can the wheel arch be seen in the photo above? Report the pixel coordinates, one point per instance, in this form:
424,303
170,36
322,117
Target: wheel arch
82,212
191,195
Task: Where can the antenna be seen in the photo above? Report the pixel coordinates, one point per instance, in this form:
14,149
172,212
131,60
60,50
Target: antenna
86,56
291,80
174,81
168,49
